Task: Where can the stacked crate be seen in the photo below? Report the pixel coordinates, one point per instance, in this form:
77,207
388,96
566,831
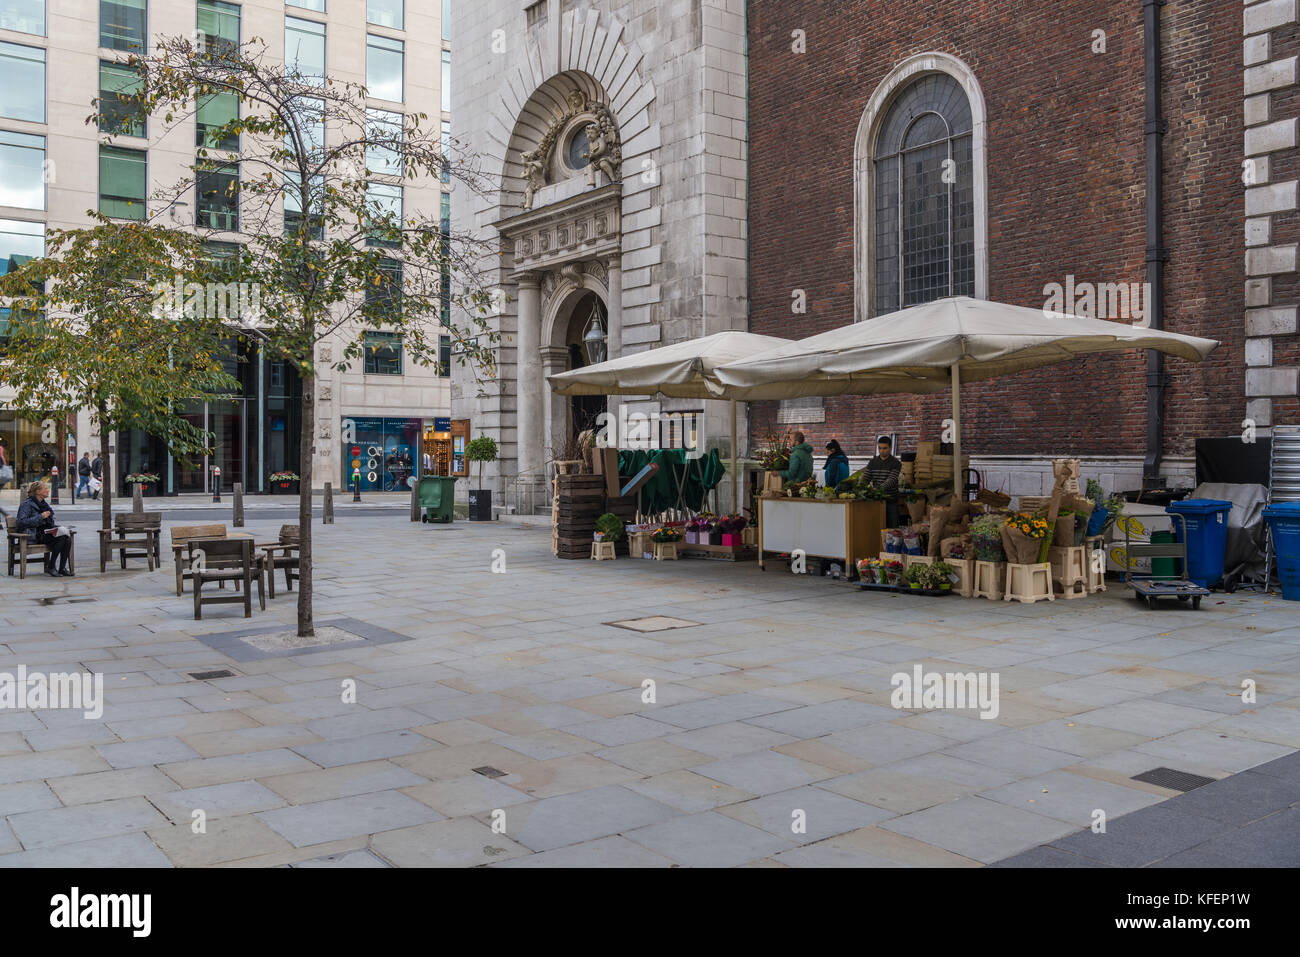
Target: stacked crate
579,501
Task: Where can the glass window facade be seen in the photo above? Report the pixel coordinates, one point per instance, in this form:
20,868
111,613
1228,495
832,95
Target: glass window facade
309,112
215,112
118,115
385,59
385,296
217,187
385,13
382,127
385,227
304,49
22,449
317,5
122,182
383,353
924,197
445,146
19,242
22,82
384,452
23,16
219,24
122,24
293,217
22,170
446,81
444,356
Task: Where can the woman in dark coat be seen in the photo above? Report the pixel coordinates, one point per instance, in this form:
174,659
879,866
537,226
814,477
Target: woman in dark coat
837,464
36,518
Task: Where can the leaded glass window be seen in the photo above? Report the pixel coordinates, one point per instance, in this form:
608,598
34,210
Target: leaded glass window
924,202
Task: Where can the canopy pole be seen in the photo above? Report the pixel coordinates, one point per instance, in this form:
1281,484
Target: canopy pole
958,480
735,505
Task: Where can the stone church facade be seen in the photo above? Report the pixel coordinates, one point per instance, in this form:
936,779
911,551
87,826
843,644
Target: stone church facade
616,133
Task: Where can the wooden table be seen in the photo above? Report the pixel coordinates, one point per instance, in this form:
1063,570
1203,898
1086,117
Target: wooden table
844,530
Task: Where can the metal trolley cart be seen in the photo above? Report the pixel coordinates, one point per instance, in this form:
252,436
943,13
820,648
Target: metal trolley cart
1152,586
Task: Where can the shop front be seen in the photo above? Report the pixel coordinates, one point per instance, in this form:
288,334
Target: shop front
386,453
30,448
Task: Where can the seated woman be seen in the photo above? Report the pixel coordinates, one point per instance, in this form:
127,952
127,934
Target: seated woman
36,518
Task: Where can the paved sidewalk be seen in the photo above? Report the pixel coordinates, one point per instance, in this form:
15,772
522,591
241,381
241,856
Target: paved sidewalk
771,741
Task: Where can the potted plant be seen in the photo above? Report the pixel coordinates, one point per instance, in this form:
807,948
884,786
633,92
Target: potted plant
940,576
609,528
700,529
774,457
893,572
916,576
986,536
480,450
144,479
664,535
284,483
731,530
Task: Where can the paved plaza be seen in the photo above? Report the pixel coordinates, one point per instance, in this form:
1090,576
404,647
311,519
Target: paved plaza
502,719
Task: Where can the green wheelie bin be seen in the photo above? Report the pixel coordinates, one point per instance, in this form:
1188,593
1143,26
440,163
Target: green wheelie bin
437,493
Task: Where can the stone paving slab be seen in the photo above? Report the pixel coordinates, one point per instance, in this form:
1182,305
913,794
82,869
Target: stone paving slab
518,674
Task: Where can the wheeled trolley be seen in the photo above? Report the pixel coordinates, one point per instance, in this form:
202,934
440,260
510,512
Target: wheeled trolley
1149,587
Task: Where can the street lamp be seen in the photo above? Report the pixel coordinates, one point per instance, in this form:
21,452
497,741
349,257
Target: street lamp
594,339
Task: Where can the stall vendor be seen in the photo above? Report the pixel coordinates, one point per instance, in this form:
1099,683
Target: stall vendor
883,471
801,461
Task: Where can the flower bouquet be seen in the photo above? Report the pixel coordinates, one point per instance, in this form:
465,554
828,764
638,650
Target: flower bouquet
1025,539
775,455
893,572
731,528
142,478
986,535
664,535
701,530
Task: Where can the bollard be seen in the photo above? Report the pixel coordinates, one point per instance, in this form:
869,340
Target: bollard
216,484
415,502
356,485
238,507
137,499
327,510
54,485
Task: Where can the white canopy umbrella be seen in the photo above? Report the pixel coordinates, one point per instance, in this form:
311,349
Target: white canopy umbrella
684,370
929,347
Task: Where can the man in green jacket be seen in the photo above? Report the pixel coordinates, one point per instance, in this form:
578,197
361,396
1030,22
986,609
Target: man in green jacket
801,461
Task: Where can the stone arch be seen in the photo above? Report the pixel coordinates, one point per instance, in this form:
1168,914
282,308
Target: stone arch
864,168
560,304
594,58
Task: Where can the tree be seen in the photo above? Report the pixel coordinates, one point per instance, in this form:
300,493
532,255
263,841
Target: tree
95,325
480,450
310,184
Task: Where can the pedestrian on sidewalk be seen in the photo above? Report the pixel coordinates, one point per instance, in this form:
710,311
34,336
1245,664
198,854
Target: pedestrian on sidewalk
83,476
36,518
97,472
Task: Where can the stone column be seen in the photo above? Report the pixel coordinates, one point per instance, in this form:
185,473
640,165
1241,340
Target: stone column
531,389
614,281
555,359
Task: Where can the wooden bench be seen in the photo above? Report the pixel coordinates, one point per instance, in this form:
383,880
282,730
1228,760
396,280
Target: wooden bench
21,549
231,559
290,542
133,531
181,536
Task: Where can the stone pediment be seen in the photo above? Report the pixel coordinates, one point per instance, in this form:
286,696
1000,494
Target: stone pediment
568,229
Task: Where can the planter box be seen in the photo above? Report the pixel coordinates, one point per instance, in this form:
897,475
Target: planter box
146,488
284,488
727,553
480,505
730,541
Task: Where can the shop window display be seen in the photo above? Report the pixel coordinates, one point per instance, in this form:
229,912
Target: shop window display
384,450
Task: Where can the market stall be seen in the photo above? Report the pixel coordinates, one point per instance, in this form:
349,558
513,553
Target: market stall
841,530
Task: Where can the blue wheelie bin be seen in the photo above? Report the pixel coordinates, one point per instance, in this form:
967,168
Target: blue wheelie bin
1284,522
436,494
1206,521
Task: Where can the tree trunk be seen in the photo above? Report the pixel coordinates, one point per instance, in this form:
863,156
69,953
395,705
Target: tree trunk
106,472
306,627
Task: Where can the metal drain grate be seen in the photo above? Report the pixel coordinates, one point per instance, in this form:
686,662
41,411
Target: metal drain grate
653,623
209,675
1174,780
489,772
62,598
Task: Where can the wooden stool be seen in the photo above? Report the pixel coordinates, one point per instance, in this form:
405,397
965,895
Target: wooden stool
602,551
665,551
1096,559
988,580
965,568
1070,569
1029,583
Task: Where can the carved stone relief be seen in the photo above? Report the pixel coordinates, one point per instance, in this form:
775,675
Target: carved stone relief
604,146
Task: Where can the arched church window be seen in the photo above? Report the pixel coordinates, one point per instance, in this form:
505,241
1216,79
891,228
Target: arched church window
924,196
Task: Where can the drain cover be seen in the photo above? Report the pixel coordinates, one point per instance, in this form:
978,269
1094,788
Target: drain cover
653,623
489,772
209,675
1174,780
56,598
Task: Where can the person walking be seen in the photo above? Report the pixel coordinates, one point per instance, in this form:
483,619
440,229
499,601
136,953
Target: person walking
83,476
36,518
97,472
837,464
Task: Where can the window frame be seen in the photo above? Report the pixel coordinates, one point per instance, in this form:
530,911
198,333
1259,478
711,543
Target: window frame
19,144
309,80
401,17
45,81
143,49
99,190
208,167
45,19
376,41
367,348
